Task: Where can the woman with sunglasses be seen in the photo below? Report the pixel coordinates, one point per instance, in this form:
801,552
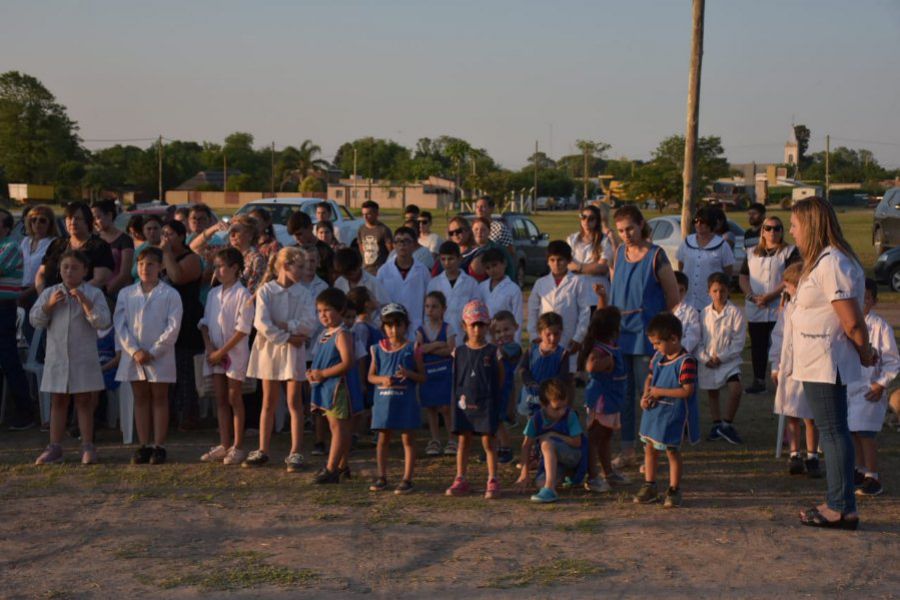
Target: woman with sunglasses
761,279
459,231
701,254
591,250
40,231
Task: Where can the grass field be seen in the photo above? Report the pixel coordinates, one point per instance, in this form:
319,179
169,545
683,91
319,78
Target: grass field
187,529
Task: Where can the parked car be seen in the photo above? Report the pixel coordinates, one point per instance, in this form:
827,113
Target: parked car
886,223
887,268
345,224
666,233
529,243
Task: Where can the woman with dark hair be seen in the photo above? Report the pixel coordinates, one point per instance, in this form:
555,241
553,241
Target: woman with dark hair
183,270
642,286
99,254
122,246
591,250
830,344
460,231
703,253
761,280
266,244
135,229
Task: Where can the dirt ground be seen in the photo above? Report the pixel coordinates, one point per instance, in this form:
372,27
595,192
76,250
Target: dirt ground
187,529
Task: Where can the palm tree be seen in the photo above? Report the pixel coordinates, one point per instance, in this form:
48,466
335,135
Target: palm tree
307,160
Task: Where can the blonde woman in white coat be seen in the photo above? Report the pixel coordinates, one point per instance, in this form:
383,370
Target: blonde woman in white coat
147,322
790,400
285,318
722,336
226,323
71,312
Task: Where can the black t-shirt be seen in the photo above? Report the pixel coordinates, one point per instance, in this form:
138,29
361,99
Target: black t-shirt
751,237
98,252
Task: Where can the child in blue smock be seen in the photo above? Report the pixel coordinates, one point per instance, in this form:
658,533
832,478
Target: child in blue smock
334,382
543,360
362,304
395,370
477,375
504,332
604,393
555,430
436,340
670,408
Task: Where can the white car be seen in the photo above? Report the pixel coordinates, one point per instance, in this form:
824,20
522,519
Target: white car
345,224
666,233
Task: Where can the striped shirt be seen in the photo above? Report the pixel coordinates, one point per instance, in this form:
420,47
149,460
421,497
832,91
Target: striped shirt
11,266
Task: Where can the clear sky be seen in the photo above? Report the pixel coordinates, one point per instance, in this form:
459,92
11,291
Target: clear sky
499,73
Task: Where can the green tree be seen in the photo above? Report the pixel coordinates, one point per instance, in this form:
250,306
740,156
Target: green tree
240,183
802,133
36,135
661,178
307,161
311,184
846,166
376,158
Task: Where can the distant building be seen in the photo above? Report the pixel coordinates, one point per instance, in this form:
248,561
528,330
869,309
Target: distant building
792,149
432,193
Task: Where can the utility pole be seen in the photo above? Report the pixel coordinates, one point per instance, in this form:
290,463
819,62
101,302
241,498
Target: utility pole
273,170
534,194
584,177
159,152
827,167
224,171
349,204
693,118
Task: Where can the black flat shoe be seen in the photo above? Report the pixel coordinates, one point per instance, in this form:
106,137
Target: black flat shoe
814,518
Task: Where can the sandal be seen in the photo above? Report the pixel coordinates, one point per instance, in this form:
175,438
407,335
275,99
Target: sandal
814,518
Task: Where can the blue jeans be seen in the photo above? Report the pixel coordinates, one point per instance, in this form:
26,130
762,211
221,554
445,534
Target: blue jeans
10,362
828,402
637,366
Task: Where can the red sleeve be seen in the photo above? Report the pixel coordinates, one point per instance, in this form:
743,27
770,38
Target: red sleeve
688,373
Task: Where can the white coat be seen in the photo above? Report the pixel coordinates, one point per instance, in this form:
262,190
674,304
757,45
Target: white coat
690,326
766,274
227,312
571,300
280,313
790,400
71,365
409,292
821,349
148,322
583,252
315,286
863,415
506,295
722,335
458,295
699,263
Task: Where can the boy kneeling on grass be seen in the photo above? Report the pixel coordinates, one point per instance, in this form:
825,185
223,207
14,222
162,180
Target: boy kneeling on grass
670,408
557,430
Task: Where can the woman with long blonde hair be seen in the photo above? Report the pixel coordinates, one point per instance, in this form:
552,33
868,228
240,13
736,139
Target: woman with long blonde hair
830,344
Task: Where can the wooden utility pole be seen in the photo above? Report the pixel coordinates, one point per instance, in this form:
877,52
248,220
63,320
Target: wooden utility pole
273,169
534,194
693,119
159,152
224,172
349,204
827,167
584,177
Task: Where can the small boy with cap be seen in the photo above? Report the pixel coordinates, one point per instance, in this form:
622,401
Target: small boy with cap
477,376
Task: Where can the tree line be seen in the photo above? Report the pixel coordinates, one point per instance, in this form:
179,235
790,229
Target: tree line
40,144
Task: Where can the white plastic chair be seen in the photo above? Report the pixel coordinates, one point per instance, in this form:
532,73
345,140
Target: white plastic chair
36,369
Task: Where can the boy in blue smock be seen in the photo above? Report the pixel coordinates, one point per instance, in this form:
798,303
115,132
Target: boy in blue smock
556,431
670,408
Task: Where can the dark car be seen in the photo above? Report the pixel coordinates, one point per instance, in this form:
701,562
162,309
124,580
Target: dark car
529,243
887,268
886,225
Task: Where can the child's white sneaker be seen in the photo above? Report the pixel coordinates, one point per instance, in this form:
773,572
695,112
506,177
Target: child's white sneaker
215,454
235,456
598,485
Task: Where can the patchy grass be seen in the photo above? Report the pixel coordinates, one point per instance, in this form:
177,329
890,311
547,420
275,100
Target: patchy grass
238,570
559,571
591,525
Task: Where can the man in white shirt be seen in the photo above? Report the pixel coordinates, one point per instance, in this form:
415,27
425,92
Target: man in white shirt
405,280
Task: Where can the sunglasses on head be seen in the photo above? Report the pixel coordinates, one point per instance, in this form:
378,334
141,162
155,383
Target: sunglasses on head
772,228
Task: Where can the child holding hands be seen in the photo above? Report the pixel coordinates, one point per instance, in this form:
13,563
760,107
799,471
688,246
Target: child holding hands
72,312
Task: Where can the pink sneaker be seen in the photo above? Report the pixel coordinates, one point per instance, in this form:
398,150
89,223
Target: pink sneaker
460,487
493,490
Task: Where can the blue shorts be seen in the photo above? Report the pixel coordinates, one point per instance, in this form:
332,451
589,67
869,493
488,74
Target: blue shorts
566,456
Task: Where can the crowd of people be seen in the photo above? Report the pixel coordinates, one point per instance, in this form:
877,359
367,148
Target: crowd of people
372,337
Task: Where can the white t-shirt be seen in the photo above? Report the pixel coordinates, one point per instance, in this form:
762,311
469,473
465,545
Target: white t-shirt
583,252
432,241
821,349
